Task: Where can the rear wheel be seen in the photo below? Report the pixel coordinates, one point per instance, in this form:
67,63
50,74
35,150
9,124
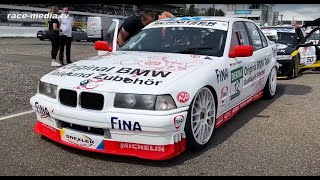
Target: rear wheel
201,119
271,86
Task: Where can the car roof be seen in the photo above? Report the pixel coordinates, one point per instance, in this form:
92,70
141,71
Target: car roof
293,27
209,18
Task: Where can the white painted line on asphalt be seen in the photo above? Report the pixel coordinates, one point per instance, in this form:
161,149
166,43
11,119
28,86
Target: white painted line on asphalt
16,115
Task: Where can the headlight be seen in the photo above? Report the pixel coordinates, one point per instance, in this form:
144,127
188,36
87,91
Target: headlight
134,101
144,102
165,102
47,89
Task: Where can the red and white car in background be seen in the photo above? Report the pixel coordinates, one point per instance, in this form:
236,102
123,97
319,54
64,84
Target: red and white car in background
165,90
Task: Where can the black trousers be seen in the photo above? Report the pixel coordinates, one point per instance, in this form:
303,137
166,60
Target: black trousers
55,48
65,41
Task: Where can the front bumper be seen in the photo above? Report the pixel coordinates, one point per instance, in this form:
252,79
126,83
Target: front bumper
285,68
144,136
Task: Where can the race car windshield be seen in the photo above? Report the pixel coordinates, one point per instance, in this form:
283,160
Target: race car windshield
283,37
185,40
286,38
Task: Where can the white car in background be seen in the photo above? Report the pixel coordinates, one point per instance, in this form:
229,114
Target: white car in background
166,89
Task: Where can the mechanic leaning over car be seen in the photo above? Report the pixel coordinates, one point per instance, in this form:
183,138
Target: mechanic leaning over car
135,23
54,28
66,36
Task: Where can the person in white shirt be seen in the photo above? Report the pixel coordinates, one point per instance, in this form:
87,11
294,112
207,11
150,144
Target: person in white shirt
66,35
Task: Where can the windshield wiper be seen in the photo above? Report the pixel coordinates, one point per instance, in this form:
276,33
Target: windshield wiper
191,50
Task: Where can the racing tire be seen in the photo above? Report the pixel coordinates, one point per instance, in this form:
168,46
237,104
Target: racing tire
270,88
295,70
41,39
201,119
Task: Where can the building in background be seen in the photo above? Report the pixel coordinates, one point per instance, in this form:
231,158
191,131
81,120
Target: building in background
261,14
293,18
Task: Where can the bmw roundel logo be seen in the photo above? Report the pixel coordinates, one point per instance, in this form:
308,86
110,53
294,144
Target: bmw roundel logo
84,82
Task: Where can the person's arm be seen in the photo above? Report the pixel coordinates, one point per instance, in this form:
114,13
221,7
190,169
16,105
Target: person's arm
166,15
123,34
55,25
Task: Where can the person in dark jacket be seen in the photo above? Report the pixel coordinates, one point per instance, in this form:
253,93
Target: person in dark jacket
54,28
133,24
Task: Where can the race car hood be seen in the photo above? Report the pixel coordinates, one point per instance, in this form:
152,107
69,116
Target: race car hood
127,72
284,49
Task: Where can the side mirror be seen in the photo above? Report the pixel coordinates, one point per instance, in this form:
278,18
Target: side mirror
241,51
102,46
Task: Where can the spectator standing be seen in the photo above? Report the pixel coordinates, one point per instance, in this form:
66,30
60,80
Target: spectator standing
66,35
54,28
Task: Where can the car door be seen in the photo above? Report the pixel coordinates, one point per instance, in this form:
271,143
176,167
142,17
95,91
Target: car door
256,72
111,36
237,90
308,54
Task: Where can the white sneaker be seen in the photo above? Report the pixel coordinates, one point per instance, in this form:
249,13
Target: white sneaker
55,64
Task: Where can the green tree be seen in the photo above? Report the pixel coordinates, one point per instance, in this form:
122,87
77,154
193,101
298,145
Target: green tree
220,13
193,11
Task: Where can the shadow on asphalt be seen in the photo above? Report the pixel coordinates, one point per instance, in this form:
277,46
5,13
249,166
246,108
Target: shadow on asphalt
219,136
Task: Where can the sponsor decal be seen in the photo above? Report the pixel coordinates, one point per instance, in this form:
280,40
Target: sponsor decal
208,58
178,120
190,22
72,74
235,63
82,140
124,124
254,71
143,72
89,84
284,57
236,74
93,24
127,80
42,110
258,85
79,139
221,75
75,67
183,97
163,63
143,147
195,56
224,95
236,83
307,55
123,70
233,111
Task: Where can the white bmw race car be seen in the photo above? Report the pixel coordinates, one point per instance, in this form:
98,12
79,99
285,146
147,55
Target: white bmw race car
165,90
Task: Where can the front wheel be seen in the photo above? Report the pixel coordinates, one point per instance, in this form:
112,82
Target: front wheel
201,119
295,69
271,86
